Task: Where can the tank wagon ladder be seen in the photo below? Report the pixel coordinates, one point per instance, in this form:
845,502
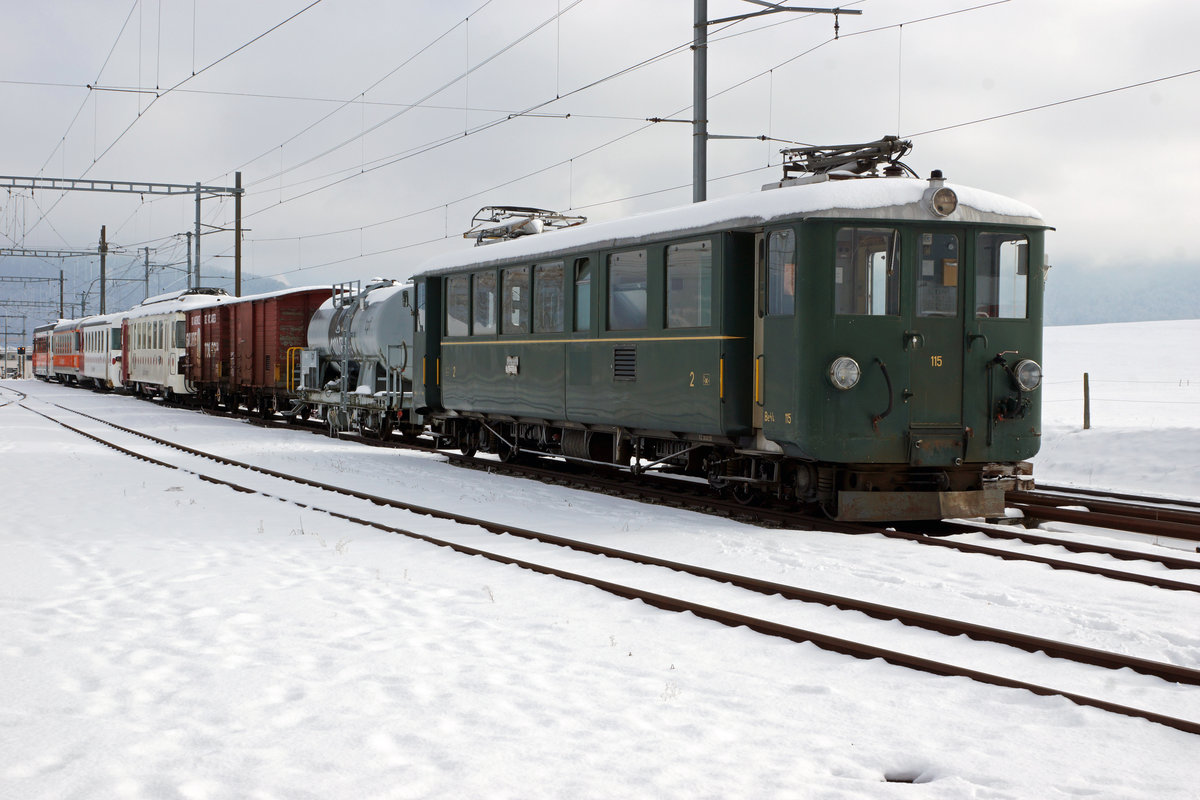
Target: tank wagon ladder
344,295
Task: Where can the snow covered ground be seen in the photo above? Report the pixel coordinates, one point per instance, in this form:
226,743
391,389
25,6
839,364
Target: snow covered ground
164,637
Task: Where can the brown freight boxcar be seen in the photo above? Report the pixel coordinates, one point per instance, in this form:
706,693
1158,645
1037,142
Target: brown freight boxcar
208,354
237,351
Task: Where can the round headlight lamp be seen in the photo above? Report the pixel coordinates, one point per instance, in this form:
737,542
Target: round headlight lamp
844,372
1028,374
943,202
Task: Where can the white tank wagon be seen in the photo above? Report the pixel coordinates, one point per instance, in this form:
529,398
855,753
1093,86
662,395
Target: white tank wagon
356,372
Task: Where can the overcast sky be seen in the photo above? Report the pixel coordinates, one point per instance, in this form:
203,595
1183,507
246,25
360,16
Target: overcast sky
345,181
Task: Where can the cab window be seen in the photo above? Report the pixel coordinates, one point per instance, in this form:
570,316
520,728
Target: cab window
627,291
1002,276
548,298
515,293
781,273
937,280
689,285
483,303
583,294
867,271
458,305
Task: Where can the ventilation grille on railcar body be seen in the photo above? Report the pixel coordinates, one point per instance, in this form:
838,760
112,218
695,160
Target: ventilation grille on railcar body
625,362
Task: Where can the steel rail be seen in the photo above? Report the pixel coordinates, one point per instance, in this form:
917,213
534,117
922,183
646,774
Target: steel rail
1103,494
1171,524
679,493
806,522
1123,554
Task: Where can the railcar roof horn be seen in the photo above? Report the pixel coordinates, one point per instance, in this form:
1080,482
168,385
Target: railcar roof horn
860,160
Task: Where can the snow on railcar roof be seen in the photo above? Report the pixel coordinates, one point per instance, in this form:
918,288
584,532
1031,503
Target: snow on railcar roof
898,198
191,298
279,293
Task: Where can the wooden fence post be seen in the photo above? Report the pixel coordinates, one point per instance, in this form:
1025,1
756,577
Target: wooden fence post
1087,403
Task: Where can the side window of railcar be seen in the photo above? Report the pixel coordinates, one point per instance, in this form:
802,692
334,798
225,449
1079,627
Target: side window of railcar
514,317
689,285
867,271
627,291
583,294
420,302
483,303
937,283
458,305
548,298
115,341
781,273
180,333
1002,275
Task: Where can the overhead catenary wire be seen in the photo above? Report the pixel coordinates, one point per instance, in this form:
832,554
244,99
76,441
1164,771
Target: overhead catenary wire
344,103
766,72
165,92
462,76
560,163
63,139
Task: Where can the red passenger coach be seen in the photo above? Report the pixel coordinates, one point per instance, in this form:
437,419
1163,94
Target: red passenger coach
66,351
43,368
237,352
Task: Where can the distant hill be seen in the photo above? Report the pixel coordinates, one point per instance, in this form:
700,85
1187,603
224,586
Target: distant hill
1074,295
38,300
1078,296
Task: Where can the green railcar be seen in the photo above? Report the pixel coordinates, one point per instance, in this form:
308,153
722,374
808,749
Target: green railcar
870,345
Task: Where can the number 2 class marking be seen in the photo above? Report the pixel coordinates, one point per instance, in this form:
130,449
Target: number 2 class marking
692,379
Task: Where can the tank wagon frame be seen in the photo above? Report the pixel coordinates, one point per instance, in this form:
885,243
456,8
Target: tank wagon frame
356,370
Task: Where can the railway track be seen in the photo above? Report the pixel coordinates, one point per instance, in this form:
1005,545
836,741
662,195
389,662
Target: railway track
1149,515
1170,673
5,401
1126,512
697,496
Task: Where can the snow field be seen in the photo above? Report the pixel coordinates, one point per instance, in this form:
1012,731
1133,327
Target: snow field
165,637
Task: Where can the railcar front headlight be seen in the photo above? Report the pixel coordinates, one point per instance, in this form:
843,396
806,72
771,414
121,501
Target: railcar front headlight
943,202
1028,374
844,372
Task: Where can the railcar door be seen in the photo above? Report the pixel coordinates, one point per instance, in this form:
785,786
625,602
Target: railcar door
760,310
934,341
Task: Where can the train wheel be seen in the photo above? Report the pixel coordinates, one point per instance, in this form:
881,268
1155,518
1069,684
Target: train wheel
744,493
508,453
468,442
